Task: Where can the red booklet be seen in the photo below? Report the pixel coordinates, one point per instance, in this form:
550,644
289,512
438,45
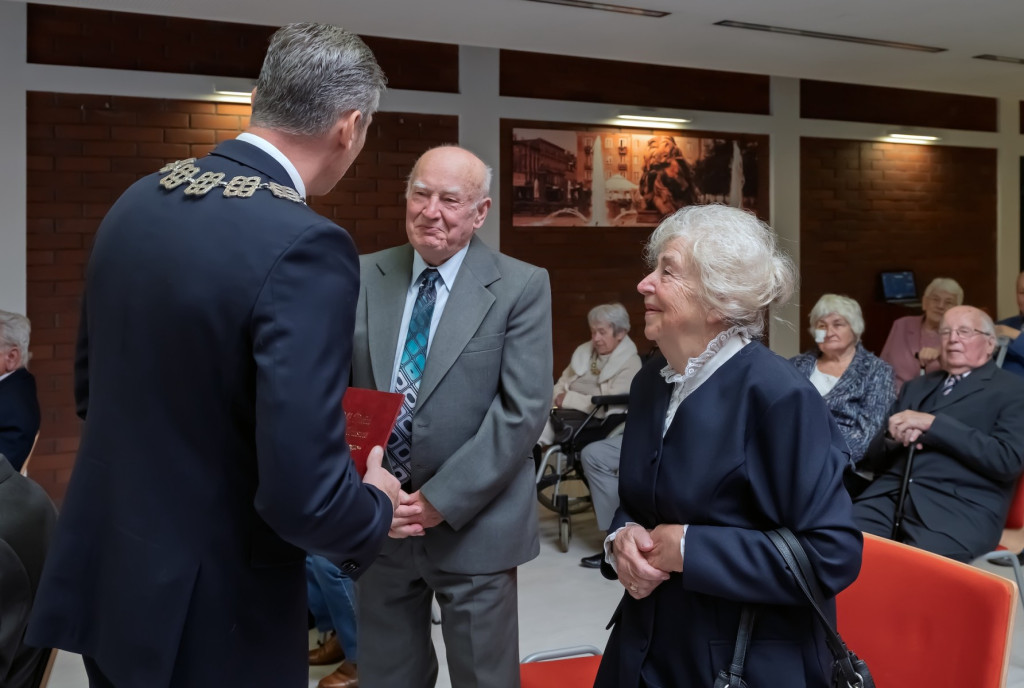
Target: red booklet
369,417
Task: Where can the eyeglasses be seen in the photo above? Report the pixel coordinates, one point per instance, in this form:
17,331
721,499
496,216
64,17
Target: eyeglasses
963,333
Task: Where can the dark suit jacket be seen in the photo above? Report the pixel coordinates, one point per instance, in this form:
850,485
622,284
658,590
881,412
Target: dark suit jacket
753,448
19,416
214,352
484,396
27,517
963,479
1014,361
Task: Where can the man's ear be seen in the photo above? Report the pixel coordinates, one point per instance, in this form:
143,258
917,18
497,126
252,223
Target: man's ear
481,212
348,128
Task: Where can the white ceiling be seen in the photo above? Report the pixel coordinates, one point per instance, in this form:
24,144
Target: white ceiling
686,37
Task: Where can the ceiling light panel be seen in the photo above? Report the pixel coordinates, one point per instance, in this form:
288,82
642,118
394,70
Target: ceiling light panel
829,36
622,9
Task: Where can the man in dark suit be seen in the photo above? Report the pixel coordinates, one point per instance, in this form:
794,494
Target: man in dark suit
213,354
19,406
27,517
1013,360
966,423
467,516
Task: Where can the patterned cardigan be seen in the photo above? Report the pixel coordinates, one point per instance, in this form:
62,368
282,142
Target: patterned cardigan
861,400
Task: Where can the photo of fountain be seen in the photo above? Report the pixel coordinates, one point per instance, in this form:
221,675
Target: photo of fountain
563,177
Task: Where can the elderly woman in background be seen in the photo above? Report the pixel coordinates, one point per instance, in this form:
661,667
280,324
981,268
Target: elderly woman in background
603,365
857,386
724,441
913,343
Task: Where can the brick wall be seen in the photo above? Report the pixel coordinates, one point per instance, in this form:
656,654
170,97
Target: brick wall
868,207
83,151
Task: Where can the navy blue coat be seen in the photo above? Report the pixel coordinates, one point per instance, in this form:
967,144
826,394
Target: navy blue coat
19,416
213,354
1014,361
752,449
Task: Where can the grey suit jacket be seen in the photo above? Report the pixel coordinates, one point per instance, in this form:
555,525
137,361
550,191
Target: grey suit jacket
482,402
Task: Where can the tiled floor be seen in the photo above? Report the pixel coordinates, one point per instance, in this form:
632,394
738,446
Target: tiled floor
560,605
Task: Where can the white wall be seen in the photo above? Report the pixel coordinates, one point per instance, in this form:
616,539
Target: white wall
12,157
479,108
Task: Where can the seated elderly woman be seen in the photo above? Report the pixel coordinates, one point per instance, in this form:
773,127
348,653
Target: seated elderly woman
857,386
912,347
724,441
603,365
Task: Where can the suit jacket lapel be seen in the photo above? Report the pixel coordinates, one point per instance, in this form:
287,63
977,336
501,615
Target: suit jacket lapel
468,304
975,382
386,283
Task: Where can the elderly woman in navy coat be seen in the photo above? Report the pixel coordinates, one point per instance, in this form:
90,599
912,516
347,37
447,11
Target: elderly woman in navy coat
724,441
858,387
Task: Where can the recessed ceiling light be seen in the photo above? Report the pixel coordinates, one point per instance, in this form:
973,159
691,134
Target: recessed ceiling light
585,4
900,137
652,118
1000,58
830,36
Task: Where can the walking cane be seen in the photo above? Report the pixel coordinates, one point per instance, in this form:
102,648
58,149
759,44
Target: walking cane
897,520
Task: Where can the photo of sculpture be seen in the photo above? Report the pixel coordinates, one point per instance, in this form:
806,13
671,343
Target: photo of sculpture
563,178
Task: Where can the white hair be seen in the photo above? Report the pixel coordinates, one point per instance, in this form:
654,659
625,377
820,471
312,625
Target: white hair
613,314
15,330
484,173
948,285
740,269
843,306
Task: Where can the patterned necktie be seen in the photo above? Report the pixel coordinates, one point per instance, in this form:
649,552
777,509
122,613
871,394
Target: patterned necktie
410,372
947,386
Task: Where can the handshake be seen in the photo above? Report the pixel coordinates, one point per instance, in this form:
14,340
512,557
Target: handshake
413,514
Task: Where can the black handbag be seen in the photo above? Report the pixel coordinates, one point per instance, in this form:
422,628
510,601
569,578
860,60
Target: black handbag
733,678
848,670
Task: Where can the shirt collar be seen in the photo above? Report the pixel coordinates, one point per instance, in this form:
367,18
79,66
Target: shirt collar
273,151
700,368
448,269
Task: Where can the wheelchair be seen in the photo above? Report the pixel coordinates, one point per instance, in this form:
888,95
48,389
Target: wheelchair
561,482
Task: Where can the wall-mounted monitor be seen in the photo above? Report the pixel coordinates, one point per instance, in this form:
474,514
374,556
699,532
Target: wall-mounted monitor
898,286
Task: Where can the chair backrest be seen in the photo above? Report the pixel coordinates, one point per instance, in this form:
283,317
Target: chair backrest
919,619
1015,516
575,672
24,466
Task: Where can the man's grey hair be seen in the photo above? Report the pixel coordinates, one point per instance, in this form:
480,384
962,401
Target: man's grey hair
843,306
739,267
311,76
15,330
487,173
613,314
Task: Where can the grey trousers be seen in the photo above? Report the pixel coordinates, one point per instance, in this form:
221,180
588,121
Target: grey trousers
479,622
601,466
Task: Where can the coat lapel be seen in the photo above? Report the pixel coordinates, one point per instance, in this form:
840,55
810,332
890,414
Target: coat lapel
468,304
973,383
386,283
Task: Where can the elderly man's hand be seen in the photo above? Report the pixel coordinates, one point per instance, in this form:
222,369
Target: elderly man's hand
907,426
630,547
666,553
413,516
927,354
1007,331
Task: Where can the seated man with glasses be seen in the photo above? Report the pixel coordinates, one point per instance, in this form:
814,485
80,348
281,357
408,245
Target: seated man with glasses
966,426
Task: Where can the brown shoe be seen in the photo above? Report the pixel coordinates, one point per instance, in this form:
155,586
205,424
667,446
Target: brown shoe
329,652
345,676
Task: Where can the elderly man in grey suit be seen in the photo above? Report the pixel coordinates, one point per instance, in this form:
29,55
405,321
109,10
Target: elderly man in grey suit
464,333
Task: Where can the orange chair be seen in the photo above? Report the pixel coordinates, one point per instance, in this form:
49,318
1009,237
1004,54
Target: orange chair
571,667
1014,521
920,619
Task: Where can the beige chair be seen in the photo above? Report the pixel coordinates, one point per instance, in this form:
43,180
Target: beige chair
24,466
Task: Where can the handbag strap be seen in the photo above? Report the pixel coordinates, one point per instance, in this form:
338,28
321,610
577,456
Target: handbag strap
796,559
739,652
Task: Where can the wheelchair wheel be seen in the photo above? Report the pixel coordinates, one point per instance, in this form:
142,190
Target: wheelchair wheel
564,533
